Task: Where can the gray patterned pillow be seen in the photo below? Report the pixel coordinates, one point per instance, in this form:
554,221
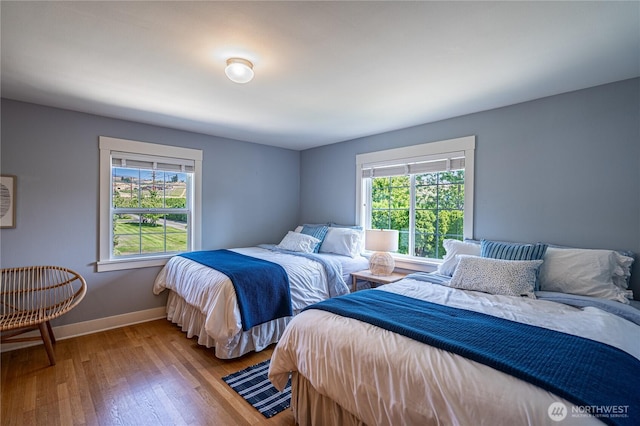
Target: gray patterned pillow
496,276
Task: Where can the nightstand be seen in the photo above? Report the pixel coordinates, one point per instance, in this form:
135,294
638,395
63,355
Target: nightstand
378,279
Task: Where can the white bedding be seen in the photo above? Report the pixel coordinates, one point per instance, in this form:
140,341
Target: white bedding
387,379
209,292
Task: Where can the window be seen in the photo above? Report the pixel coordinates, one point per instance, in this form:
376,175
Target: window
424,191
149,203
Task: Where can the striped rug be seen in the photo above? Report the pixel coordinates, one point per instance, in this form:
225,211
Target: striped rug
254,386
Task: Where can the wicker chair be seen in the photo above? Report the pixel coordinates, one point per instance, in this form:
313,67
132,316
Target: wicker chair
32,296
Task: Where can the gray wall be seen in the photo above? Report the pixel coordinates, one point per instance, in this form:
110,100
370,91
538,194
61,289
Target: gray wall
250,196
563,169
577,183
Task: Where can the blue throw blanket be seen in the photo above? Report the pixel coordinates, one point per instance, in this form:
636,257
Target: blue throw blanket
262,287
582,371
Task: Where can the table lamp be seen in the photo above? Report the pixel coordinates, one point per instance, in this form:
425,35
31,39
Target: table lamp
381,241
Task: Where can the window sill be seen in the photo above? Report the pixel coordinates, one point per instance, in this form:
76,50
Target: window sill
413,264
134,263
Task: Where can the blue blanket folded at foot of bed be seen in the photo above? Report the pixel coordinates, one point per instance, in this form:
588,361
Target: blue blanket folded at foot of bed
262,287
585,372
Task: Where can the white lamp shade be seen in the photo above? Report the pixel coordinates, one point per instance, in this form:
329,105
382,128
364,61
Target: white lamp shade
239,70
381,240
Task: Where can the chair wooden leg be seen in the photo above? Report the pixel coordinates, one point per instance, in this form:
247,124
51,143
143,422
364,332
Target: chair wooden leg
46,338
50,330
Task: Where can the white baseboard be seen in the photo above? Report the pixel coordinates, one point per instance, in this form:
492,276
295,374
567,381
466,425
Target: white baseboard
87,327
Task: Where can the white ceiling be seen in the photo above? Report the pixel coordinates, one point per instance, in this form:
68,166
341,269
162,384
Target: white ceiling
325,71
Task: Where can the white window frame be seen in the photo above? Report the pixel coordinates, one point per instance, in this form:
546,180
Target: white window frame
408,154
106,261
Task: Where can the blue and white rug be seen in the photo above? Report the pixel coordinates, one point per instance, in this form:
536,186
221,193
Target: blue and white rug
255,387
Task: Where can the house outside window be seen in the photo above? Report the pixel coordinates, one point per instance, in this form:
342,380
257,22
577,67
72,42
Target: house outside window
149,203
423,191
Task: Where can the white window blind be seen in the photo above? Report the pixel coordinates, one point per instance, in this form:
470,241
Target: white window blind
151,162
414,166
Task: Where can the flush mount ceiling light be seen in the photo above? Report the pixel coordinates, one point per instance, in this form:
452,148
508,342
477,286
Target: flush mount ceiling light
239,70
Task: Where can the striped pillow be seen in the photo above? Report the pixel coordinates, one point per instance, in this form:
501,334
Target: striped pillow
316,231
512,251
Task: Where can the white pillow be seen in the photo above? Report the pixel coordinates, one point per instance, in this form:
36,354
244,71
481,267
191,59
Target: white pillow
624,262
344,241
453,249
496,276
586,272
296,241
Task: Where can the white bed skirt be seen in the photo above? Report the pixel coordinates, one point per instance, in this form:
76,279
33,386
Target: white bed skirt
192,321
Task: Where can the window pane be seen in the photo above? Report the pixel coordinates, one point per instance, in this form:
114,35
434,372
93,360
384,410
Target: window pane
426,196
403,243
425,225
399,192
426,221
176,190
149,233
400,220
175,232
391,202
381,193
159,189
160,235
424,245
440,250
125,184
451,196
399,181
380,219
150,197
126,234
438,212
450,223
456,176
400,197
427,179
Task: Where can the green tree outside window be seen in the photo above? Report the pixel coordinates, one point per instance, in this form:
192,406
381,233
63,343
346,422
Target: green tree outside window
438,210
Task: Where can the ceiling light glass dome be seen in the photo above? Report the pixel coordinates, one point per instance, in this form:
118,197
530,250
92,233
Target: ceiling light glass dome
239,70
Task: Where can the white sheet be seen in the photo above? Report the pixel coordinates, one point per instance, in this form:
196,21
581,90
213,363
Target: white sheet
388,379
212,294
349,265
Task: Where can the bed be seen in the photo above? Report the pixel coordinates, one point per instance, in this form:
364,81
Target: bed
350,371
203,301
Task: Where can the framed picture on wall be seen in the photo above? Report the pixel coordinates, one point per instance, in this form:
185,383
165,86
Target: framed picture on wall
7,201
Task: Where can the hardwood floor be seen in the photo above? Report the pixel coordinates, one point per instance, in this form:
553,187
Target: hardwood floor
144,374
